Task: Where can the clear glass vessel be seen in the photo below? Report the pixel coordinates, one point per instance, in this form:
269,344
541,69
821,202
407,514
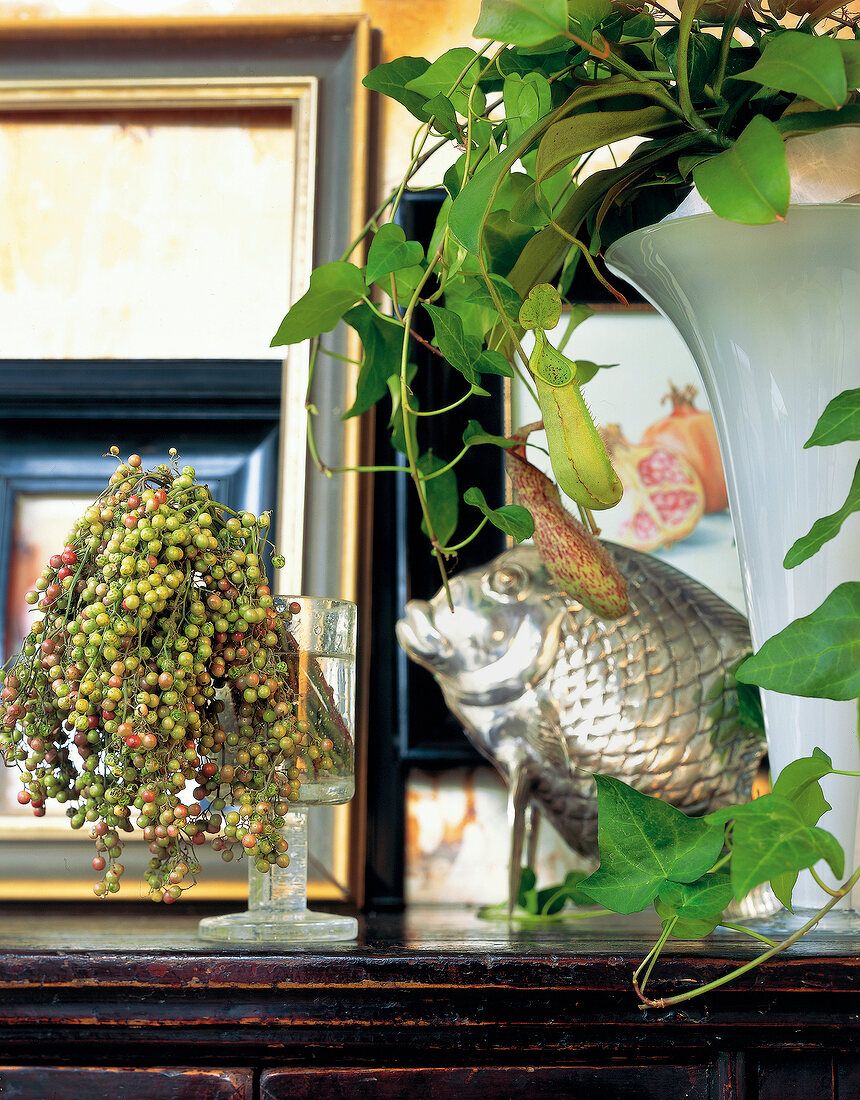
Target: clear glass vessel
321,667
771,315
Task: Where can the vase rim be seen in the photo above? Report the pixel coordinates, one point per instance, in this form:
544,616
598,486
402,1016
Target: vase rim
709,215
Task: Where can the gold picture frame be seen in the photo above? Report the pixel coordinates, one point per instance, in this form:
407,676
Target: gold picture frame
51,865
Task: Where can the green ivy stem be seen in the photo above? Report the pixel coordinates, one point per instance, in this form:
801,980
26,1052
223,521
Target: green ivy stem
685,101
652,956
748,932
470,113
342,358
827,889
406,411
437,412
665,1002
448,466
589,259
728,35
466,541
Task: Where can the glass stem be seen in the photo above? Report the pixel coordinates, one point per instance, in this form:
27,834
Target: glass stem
284,887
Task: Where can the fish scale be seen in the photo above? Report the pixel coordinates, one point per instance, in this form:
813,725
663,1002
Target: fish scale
550,692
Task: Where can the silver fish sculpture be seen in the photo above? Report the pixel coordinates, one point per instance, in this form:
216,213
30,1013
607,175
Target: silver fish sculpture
550,692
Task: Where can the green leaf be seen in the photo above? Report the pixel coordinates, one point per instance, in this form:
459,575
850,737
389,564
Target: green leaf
390,251
805,64
587,15
783,887
442,497
474,435
526,99
748,183
552,899
493,362
850,49
840,421
460,350
799,783
334,288
527,892
707,897
826,528
643,843
566,140
513,519
586,370
443,77
511,301
441,110
817,655
687,928
391,78
521,22
382,341
770,838
749,707
794,123
703,53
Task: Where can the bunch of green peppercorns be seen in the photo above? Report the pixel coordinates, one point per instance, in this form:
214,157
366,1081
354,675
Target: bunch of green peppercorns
156,615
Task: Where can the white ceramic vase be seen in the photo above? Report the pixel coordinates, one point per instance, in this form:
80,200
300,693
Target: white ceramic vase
771,315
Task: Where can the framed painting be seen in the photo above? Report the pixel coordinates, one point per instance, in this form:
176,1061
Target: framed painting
166,190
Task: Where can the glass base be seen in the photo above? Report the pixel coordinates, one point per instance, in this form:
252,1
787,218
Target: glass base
837,924
278,926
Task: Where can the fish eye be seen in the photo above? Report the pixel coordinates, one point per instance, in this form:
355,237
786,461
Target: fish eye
507,581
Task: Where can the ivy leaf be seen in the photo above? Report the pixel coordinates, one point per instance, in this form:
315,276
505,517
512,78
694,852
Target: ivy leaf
441,110
493,362
748,183
687,928
783,887
391,78
750,710
817,655
566,140
770,838
334,288
707,897
526,99
460,350
799,783
587,15
527,890
443,77
643,843
840,421
807,65
586,370
826,528
382,343
479,295
513,519
703,52
442,497
521,22
474,435
390,251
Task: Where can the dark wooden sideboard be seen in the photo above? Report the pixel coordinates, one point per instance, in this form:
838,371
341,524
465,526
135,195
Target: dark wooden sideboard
124,1002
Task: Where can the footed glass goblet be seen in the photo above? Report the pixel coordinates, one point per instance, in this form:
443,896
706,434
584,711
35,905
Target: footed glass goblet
320,665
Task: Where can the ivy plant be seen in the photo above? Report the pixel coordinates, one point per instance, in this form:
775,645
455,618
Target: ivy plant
709,97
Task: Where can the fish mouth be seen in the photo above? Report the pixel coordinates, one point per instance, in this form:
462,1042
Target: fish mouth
418,636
